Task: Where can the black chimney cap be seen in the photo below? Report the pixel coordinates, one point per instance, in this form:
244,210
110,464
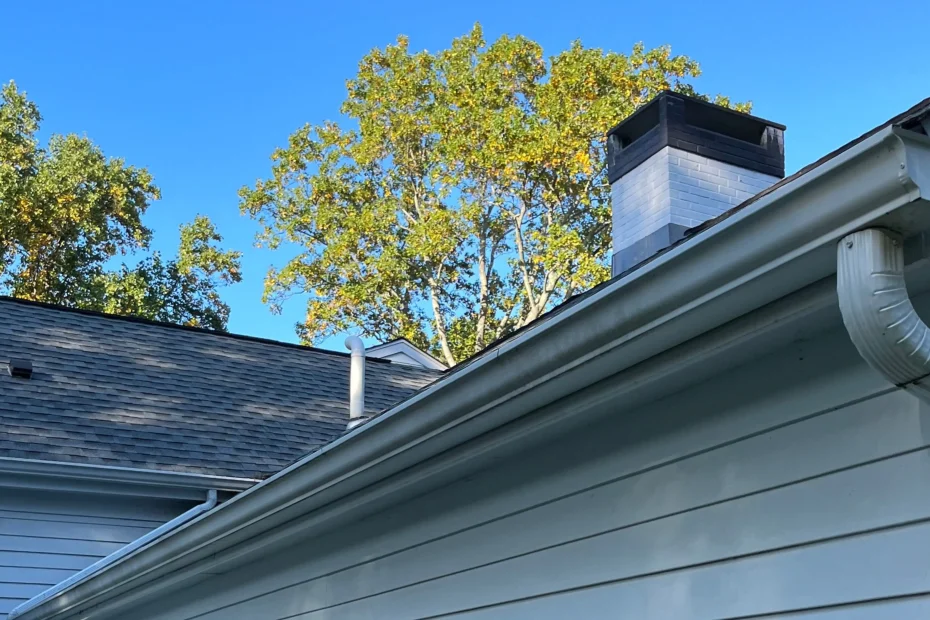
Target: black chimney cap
20,368
699,127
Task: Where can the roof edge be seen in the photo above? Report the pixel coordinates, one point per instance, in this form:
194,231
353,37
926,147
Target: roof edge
83,477
188,328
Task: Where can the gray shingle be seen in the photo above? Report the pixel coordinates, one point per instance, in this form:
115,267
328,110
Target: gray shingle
111,391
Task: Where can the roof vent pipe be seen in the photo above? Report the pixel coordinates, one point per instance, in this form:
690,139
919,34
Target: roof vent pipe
356,381
877,310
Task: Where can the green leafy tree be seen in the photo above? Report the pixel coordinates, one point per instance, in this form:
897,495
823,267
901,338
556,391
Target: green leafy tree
66,210
466,196
183,290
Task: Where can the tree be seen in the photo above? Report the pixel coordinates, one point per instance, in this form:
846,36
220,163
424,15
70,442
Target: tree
182,291
66,211
468,195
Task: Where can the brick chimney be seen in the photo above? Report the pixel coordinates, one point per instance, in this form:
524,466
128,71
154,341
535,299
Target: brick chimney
678,162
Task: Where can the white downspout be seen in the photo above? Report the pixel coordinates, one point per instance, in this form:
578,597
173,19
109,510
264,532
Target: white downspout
122,552
877,310
356,382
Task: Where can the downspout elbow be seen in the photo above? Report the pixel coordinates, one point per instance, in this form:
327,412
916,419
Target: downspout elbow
877,310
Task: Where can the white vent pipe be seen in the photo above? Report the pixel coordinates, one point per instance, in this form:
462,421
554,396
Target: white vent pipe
877,310
356,381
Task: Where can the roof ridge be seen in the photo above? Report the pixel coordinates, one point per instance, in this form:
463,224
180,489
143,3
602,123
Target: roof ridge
189,328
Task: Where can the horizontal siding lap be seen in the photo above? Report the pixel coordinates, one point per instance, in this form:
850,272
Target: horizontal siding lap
88,519
7,605
64,530
33,576
46,560
55,545
20,590
123,510
900,608
876,565
47,537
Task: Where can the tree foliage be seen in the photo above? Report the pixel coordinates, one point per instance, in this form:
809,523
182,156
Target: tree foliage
66,210
183,290
466,194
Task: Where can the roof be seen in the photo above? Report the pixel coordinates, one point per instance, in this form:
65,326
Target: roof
402,351
110,390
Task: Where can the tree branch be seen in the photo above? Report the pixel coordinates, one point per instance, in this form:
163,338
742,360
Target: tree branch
549,285
521,255
440,322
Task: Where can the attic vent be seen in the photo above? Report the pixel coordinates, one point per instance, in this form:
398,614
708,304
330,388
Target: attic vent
20,368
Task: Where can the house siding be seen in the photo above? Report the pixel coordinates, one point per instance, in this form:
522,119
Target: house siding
47,536
796,484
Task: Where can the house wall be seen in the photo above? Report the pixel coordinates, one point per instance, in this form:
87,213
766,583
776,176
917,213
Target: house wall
796,484
47,536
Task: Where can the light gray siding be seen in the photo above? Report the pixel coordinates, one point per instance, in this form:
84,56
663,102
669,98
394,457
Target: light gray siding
47,536
796,484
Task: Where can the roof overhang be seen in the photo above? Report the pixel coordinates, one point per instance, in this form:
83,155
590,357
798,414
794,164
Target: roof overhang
81,478
402,351
696,297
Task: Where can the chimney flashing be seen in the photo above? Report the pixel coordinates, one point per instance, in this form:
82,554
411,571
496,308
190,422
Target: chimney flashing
698,127
647,246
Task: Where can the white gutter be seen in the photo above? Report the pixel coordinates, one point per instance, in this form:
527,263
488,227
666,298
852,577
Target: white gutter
877,310
150,482
780,243
356,381
120,553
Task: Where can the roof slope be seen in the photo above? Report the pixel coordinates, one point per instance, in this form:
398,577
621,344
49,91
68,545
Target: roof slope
113,391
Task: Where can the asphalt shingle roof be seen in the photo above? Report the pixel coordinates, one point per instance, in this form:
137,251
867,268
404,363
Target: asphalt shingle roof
111,391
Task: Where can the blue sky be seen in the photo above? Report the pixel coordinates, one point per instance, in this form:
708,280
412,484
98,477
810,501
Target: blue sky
201,92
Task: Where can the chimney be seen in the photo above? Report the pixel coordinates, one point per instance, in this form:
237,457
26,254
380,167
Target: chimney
678,162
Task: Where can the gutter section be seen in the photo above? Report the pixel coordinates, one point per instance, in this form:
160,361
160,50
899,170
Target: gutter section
54,475
778,244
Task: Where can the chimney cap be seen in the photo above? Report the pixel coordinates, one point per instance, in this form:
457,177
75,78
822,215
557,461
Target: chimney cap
697,126
693,100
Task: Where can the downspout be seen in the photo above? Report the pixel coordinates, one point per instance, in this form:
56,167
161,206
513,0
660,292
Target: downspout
120,553
356,382
878,312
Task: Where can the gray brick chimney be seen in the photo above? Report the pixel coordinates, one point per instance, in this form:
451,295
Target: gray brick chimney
678,162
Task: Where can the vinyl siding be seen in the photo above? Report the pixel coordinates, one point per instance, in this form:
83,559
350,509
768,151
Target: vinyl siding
47,536
795,486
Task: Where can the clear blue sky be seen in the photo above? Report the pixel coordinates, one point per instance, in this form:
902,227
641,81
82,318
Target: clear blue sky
201,92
